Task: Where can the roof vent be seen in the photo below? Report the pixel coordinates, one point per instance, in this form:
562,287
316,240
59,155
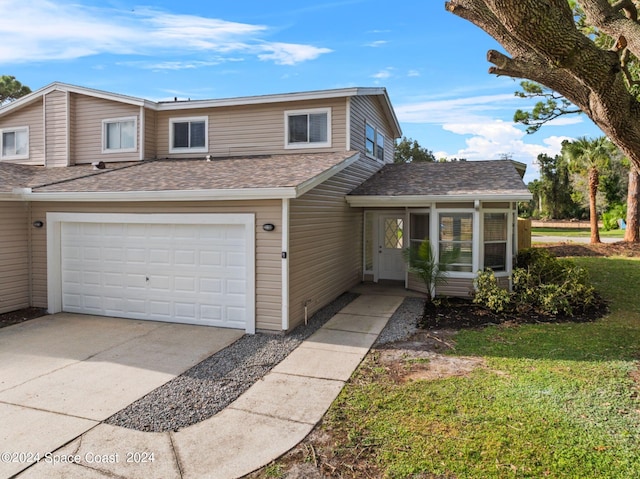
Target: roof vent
98,165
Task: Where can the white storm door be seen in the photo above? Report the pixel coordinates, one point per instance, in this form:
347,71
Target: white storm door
391,263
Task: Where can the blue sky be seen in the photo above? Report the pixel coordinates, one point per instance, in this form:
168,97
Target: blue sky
432,63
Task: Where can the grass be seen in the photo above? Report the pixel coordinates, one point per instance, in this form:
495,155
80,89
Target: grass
575,232
554,400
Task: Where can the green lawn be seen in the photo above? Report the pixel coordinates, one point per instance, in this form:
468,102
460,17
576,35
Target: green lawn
553,400
575,232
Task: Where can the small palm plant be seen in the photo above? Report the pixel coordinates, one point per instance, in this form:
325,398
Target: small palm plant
422,262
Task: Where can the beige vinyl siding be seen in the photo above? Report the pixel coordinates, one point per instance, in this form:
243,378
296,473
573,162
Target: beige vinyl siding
150,134
367,109
56,137
14,256
459,287
253,129
325,244
268,246
32,116
87,126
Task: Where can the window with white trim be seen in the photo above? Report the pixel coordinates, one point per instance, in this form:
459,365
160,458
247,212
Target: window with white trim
495,241
14,143
418,229
456,241
374,142
119,135
308,128
188,135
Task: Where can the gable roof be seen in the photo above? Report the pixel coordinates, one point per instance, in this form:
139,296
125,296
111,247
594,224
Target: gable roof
285,176
213,103
408,183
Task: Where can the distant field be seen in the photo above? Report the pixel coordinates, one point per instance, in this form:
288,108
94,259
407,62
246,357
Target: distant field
574,232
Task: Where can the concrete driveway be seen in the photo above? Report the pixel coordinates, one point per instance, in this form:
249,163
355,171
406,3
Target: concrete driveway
62,375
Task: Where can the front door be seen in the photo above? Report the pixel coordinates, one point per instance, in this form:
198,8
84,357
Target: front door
391,263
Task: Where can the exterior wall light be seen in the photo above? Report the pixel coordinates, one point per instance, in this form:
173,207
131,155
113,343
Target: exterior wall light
268,227
38,224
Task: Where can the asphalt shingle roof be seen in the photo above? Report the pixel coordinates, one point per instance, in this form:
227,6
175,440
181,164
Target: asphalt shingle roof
446,179
274,171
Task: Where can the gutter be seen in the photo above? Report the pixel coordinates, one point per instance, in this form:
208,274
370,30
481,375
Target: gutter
420,200
25,194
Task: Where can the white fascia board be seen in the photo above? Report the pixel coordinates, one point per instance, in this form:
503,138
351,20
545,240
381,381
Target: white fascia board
420,200
34,96
182,195
325,175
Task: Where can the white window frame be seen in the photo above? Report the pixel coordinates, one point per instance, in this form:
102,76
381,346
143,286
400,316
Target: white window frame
308,144
377,137
475,246
109,121
509,241
13,130
191,119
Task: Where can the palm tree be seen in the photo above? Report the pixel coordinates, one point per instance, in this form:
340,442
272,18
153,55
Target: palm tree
590,156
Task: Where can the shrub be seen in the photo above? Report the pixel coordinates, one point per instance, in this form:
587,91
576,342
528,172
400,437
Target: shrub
489,294
610,218
542,284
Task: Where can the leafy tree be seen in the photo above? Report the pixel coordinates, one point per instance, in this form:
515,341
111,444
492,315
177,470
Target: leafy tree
11,89
546,43
590,157
552,106
408,151
555,188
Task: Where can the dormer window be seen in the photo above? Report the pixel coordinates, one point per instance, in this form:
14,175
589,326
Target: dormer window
119,135
188,135
14,143
374,142
308,128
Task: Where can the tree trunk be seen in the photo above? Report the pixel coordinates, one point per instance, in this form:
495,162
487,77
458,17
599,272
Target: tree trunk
594,180
631,234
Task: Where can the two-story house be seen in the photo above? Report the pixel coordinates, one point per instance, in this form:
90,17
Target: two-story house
247,213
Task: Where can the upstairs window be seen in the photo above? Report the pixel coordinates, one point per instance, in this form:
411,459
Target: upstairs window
119,135
308,128
15,143
374,142
188,135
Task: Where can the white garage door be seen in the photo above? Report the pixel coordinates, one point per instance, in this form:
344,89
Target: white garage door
187,273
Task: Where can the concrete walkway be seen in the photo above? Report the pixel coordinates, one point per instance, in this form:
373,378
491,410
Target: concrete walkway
269,419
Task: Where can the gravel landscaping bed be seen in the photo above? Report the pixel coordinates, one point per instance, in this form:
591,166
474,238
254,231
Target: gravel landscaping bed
213,384
403,323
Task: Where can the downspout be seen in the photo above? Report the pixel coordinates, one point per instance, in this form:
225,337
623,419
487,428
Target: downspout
141,135
285,264
44,128
348,126
68,127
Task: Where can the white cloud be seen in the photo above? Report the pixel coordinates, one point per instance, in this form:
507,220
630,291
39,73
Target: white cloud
413,73
456,110
376,44
288,53
485,123
383,74
42,30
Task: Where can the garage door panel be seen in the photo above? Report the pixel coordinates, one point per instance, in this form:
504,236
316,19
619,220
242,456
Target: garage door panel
188,273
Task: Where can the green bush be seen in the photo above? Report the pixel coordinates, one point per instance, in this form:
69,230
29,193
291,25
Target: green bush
542,284
610,218
489,294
